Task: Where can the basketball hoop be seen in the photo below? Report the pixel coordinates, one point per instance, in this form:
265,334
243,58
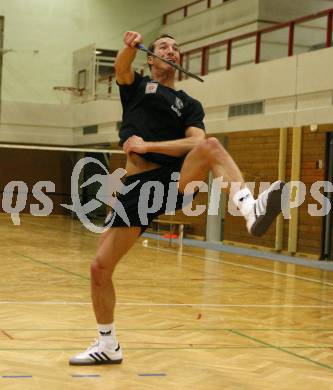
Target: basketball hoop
71,90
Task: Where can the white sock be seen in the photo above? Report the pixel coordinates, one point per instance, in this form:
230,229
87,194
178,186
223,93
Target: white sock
244,200
107,333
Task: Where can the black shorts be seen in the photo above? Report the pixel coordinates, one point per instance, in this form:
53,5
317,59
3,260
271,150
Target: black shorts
155,193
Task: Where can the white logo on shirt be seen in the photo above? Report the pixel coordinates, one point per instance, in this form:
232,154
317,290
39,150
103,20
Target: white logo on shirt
179,104
175,109
151,87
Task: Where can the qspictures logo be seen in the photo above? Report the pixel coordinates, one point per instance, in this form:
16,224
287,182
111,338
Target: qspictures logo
152,195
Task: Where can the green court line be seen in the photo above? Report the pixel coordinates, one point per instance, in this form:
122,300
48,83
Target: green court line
281,349
137,349
83,232
52,266
170,329
202,258
268,346
221,261
288,329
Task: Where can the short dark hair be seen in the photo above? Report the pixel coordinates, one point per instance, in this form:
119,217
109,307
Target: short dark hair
151,46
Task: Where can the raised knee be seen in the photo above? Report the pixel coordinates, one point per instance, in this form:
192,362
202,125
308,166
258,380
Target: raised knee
217,150
213,142
205,146
100,275
212,150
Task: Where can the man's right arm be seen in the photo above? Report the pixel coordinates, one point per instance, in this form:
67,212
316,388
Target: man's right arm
125,58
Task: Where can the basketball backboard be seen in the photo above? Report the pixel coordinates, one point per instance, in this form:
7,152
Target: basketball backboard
84,77
93,71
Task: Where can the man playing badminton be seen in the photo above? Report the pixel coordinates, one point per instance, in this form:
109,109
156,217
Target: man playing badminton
162,133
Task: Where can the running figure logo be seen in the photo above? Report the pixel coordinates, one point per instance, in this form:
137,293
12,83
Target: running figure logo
111,184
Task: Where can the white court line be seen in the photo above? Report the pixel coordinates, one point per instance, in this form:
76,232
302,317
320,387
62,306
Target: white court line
220,261
61,148
251,267
165,304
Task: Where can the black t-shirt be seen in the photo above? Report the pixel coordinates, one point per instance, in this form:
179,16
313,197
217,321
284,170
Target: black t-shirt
157,113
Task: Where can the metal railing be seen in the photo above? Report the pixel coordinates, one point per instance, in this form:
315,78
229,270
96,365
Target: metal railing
204,52
185,9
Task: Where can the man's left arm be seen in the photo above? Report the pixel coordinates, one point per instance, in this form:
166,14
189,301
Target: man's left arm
174,148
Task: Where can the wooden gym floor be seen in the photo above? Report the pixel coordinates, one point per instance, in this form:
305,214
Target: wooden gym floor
186,319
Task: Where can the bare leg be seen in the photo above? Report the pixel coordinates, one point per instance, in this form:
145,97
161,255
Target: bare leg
209,155
113,245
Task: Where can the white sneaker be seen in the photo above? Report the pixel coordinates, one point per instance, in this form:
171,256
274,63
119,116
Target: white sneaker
98,353
265,209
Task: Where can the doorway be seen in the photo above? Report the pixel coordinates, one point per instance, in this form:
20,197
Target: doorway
1,55
327,237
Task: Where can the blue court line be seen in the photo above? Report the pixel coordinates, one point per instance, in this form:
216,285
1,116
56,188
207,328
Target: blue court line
152,374
17,376
86,376
323,265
